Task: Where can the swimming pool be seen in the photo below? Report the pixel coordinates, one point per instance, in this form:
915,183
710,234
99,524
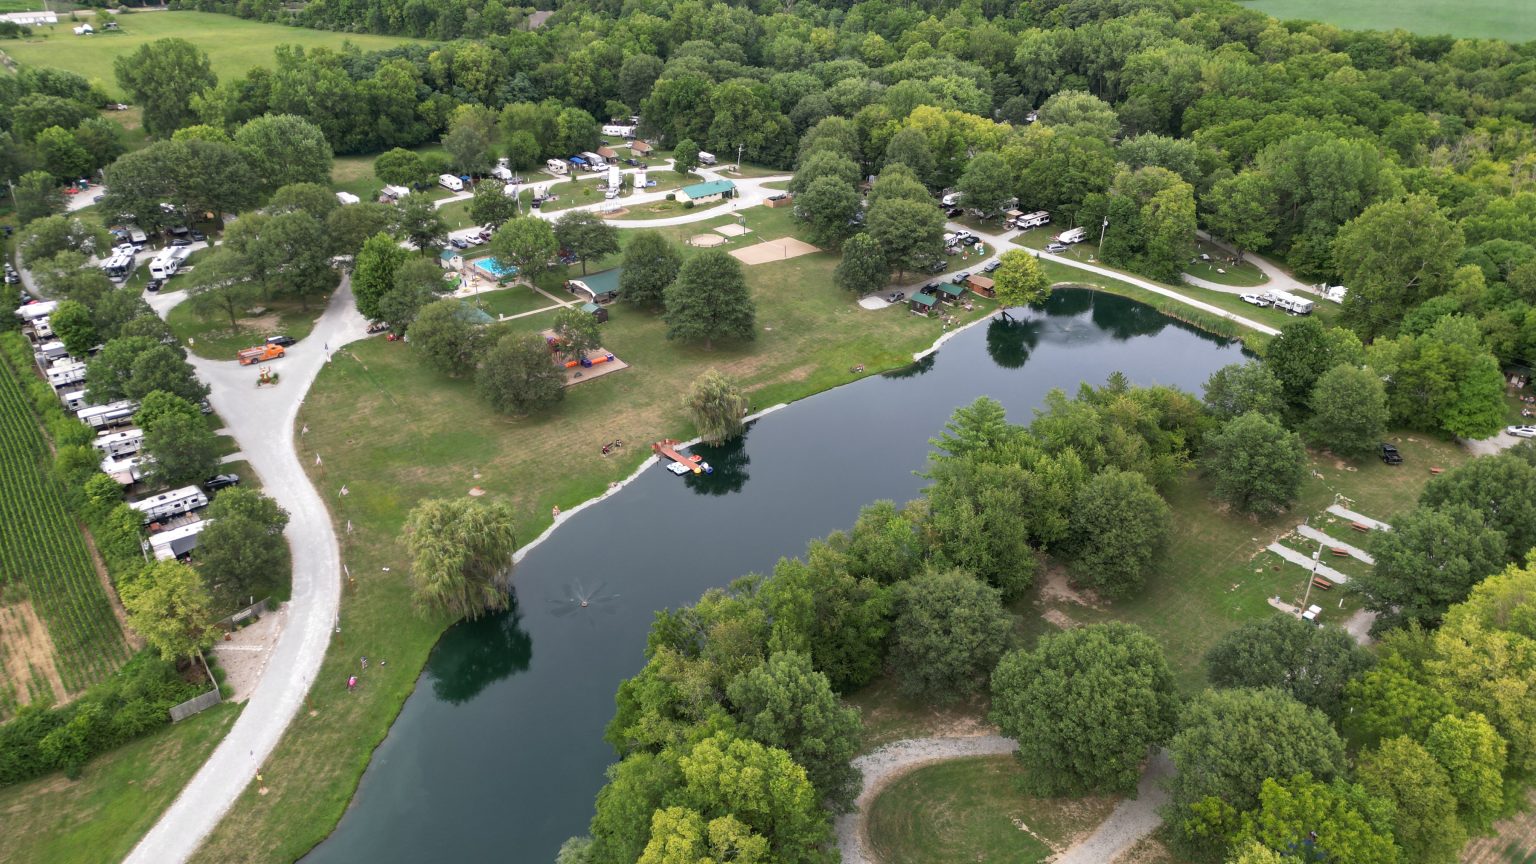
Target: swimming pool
489,266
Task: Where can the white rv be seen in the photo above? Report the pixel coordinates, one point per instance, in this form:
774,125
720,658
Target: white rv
66,374
126,471
50,351
1288,302
170,259
557,166
347,198
176,542
137,237
395,193
706,158
950,200
172,503
42,330
119,265
619,130
34,311
120,444
1034,220
105,416
594,161
450,182
73,400
1335,293
1074,235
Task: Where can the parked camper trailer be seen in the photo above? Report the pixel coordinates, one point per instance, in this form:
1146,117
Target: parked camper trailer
172,503
66,374
619,130
136,236
1335,293
557,166
1034,220
34,311
1288,302
120,444
594,161
73,400
950,200
126,471
52,350
1074,235
450,182
106,416
176,542
170,259
120,265
706,158
42,330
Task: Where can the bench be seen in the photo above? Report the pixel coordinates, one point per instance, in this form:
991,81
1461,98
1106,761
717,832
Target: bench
1361,527
1339,553
1321,584
1437,470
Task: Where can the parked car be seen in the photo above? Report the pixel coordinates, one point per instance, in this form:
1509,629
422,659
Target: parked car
1056,248
937,266
959,278
895,297
1390,455
221,481
1522,431
181,241
458,242
283,341
611,194
991,266
1256,299
780,196
953,212
930,288
197,236
154,285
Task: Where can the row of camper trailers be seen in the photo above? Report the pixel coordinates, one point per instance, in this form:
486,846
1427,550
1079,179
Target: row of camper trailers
121,449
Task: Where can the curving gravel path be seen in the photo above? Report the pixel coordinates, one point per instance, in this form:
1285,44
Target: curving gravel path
1131,820
892,761
262,422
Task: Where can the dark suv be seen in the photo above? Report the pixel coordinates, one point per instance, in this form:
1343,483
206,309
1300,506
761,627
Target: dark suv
1390,455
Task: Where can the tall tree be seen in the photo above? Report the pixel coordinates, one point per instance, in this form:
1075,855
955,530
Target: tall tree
973,522
471,139
1019,280
461,555
651,263
73,324
576,333
716,405
491,204
243,549
1086,707
168,605
827,207
1257,465
1334,821
1424,824
986,183
528,243
910,232
1313,664
1349,410
825,165
401,167
164,77
587,236
710,301
1303,351
284,149
373,272
786,703
518,375
760,786
1120,528
1394,256
863,268
220,286
1242,210
1240,388
185,450
37,195
1502,488
445,333
1429,560
950,628
421,223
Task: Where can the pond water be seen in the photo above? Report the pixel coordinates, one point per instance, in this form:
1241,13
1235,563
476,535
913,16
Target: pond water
499,753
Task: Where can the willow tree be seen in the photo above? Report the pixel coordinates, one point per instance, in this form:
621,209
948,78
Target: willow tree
461,553
716,405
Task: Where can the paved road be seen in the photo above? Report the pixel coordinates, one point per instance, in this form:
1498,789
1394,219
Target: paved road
1132,819
262,423
1279,279
1000,243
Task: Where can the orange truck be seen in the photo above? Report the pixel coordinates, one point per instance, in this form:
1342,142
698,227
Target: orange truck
259,354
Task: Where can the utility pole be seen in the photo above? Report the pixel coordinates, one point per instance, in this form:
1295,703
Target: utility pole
739,148
1102,229
1316,558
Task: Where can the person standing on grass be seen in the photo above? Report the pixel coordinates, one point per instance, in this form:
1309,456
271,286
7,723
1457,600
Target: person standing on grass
351,683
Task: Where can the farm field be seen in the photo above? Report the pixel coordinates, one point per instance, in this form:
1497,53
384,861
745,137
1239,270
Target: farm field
234,45
46,573
1514,20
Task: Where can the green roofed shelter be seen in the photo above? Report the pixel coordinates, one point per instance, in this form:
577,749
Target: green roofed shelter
950,291
601,287
923,302
714,190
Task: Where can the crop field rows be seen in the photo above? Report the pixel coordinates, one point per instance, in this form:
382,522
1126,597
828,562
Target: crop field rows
42,550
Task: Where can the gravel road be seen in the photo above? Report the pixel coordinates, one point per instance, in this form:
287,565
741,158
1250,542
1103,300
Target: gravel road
261,421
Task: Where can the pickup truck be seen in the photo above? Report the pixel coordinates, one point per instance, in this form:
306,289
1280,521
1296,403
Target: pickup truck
259,354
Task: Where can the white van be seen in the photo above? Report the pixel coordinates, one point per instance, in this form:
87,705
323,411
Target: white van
557,166
450,182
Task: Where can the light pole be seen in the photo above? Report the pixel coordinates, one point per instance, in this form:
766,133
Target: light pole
1316,559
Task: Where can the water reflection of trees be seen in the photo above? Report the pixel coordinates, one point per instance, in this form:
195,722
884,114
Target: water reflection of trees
1068,301
1010,341
912,370
730,461
475,654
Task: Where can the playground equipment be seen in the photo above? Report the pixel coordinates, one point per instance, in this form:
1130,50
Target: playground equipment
667,448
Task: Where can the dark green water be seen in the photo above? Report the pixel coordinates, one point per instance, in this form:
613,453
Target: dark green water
498,754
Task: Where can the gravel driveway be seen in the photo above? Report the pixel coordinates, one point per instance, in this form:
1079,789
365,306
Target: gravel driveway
261,421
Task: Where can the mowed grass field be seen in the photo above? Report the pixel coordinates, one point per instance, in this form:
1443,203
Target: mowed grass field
234,45
1512,20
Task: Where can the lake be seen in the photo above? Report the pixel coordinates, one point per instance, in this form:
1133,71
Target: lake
499,753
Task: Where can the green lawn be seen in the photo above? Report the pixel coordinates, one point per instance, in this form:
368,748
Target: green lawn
1513,20
214,338
1244,275
98,818
514,300
662,210
972,810
394,431
234,45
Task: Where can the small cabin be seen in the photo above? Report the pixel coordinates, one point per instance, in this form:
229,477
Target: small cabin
700,193
922,304
984,286
595,311
640,148
949,292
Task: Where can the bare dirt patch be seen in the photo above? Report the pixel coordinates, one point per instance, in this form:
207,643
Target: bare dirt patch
705,241
781,249
1513,840
1059,619
245,654
1057,587
27,653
